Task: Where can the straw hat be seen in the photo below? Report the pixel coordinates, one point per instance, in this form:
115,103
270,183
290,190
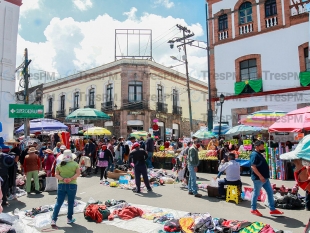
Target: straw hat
49,151
11,141
32,150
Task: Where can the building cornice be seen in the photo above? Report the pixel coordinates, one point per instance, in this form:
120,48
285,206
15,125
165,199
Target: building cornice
15,2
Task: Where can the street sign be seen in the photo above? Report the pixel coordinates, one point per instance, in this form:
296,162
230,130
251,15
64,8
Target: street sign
26,111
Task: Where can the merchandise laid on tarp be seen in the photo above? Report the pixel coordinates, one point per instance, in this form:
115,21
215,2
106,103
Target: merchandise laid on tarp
149,219
126,180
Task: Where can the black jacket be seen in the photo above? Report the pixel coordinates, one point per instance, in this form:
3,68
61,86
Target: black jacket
90,148
150,145
138,157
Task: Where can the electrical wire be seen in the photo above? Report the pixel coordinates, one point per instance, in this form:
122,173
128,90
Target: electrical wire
119,46
146,46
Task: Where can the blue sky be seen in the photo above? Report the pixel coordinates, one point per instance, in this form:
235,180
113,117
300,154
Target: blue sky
66,36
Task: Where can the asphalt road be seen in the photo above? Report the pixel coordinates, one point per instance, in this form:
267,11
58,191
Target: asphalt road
168,196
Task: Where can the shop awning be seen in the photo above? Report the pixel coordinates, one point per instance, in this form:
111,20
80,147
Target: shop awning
134,122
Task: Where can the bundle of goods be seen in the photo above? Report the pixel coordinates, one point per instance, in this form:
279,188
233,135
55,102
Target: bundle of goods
165,154
207,155
244,154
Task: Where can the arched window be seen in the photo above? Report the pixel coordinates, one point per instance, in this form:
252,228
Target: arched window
248,70
307,61
223,22
91,98
245,13
270,8
50,105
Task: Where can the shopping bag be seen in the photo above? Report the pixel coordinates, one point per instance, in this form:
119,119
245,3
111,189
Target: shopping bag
214,182
51,184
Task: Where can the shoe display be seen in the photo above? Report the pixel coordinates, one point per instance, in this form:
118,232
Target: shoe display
276,213
256,212
70,221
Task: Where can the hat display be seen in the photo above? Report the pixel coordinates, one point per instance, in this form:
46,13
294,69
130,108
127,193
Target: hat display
67,156
32,150
63,147
302,151
49,151
135,145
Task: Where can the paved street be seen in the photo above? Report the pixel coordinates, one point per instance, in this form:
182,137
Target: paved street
169,196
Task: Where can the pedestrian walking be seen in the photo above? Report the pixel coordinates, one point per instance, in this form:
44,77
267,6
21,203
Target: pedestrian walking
67,173
105,156
260,176
32,166
149,148
138,157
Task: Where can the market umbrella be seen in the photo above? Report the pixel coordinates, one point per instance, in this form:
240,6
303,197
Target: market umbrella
294,121
86,114
204,134
139,134
43,124
264,118
224,129
97,131
243,130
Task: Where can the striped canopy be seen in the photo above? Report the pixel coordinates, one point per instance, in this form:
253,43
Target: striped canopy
224,129
264,118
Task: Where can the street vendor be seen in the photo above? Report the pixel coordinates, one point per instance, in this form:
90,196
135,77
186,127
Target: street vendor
301,159
213,144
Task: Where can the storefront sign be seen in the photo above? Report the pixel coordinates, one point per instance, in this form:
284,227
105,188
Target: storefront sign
247,144
161,116
136,113
26,111
282,133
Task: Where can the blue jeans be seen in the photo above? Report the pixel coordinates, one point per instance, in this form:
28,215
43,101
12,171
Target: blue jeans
63,190
192,186
219,174
149,159
257,187
111,166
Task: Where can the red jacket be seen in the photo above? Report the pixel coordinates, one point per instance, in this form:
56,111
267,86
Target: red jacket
127,213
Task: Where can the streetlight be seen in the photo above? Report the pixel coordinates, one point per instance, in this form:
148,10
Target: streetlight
222,99
114,107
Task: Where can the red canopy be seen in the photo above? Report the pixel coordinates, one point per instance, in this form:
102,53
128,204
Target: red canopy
294,121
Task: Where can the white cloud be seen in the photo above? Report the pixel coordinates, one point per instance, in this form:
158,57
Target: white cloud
165,3
83,5
29,5
73,46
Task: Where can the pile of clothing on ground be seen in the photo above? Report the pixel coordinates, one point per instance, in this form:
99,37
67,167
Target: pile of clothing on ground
12,224
97,211
156,178
288,201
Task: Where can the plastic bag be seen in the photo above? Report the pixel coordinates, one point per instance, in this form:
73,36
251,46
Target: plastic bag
51,184
42,220
214,182
20,227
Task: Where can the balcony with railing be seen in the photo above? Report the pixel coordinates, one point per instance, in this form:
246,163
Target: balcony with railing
90,106
246,28
107,106
135,105
298,7
223,35
271,21
176,110
71,110
61,113
161,107
48,115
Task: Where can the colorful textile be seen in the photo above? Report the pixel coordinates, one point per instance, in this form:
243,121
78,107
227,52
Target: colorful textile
127,213
172,226
255,227
96,212
186,224
267,229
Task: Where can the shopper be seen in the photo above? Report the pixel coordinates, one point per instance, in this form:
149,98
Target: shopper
192,163
138,158
105,156
48,162
32,166
90,150
149,148
260,177
67,173
57,148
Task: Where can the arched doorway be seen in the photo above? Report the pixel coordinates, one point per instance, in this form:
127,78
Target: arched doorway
162,130
176,131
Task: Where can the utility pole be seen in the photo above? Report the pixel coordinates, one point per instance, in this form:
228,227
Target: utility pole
26,92
186,34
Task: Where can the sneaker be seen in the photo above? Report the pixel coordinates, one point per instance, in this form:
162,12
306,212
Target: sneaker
37,192
70,221
198,195
12,197
190,193
150,190
221,197
276,213
53,223
256,212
